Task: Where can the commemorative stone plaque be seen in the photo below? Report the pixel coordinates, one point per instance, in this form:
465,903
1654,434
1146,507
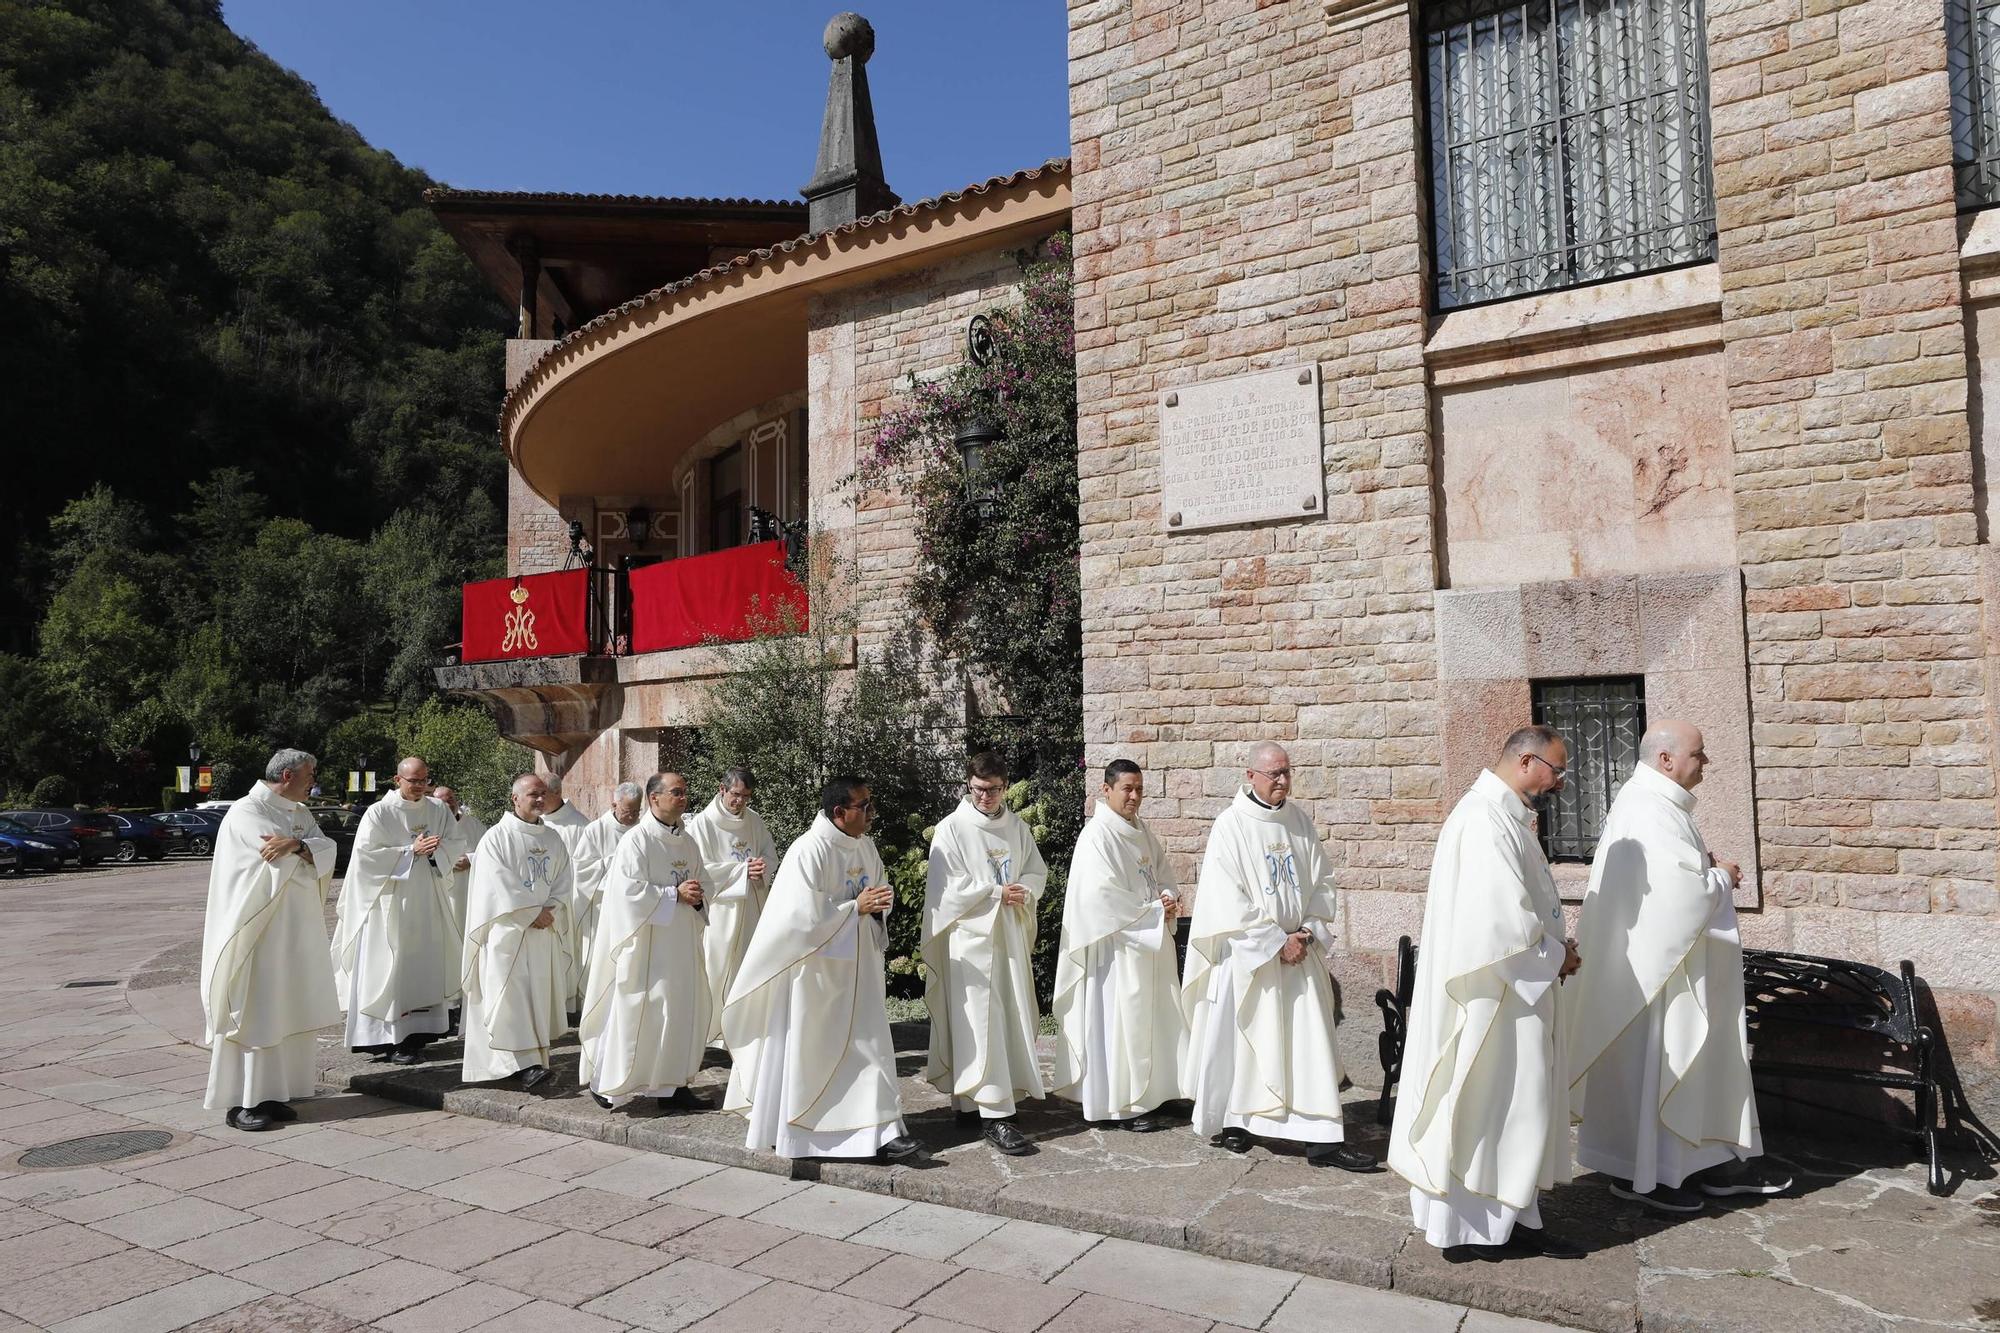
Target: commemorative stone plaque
1241,450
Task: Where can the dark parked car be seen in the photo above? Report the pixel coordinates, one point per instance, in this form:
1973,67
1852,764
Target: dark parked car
340,826
140,835
38,850
197,828
10,859
94,833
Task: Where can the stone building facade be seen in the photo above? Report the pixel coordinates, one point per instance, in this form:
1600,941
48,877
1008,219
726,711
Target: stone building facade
1705,439
1751,482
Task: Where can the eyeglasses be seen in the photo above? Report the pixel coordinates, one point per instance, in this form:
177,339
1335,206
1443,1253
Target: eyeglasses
983,789
1560,773
678,793
1275,774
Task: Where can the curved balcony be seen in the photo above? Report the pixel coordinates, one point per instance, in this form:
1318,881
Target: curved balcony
613,407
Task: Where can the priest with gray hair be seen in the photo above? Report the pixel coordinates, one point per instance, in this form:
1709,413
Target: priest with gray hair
266,977
592,847
1659,1049
740,858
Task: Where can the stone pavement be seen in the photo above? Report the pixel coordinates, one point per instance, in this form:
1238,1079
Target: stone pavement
374,1214
675,1221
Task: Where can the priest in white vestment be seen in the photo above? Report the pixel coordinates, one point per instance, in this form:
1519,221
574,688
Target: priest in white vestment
470,828
266,982
807,1022
1659,1051
740,856
561,816
645,1020
1122,1029
400,943
517,968
1263,1061
590,850
1482,1109
985,884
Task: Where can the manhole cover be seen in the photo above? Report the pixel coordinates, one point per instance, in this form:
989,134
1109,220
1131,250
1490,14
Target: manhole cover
97,1148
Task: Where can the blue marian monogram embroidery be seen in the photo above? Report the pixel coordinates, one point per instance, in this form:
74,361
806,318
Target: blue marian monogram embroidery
853,882
1002,863
739,850
1278,859
538,868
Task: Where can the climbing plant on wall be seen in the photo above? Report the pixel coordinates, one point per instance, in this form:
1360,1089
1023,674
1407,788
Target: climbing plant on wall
996,580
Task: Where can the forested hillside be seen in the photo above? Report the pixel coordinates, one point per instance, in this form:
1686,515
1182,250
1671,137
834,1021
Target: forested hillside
248,406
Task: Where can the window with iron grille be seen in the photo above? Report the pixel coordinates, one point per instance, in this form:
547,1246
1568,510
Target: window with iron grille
1602,720
1569,143
1973,55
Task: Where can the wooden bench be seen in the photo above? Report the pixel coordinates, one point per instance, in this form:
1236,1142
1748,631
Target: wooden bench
1787,995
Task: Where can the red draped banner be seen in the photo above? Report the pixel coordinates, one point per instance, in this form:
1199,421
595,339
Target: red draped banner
529,615
722,596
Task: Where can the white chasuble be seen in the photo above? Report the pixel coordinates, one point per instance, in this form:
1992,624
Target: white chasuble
266,982
471,828
1262,1056
1482,1118
728,842
807,1023
1123,1031
590,848
645,1019
400,942
565,819
979,955
1659,1055
517,978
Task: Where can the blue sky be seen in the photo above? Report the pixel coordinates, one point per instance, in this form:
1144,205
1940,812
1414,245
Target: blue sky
672,96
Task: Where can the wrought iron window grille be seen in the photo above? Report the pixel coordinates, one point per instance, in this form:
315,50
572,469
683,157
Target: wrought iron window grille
1569,143
1972,56
1602,720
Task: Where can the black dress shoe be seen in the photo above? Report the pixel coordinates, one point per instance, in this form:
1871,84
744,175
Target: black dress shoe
1143,1124
404,1057
242,1117
1234,1140
1007,1139
277,1111
1344,1157
604,1102
535,1075
1535,1241
683,1099
898,1148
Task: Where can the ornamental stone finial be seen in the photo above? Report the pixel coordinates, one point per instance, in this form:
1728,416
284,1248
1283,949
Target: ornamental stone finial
849,35
847,181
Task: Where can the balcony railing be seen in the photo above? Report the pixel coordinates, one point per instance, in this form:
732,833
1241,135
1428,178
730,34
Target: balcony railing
722,597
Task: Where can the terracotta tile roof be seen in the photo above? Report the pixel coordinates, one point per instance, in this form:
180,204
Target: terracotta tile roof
1055,166
444,194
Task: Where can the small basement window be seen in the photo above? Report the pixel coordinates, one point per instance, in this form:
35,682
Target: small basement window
1602,719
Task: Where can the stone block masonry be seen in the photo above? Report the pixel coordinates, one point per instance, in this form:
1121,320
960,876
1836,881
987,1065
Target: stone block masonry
1246,196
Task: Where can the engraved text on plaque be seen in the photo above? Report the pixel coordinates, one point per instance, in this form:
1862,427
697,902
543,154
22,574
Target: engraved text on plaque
1241,450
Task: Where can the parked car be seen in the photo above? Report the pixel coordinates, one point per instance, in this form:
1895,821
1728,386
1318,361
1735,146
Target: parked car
38,850
95,834
197,828
340,826
10,859
140,835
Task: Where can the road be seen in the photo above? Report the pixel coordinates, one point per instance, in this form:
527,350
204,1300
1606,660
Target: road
373,1215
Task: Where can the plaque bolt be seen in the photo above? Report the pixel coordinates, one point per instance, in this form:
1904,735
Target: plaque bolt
1306,376
1312,502
1173,400
1174,519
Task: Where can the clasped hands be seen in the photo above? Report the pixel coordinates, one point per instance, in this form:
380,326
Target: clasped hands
1294,948
1013,895
425,844
877,899
690,892
276,847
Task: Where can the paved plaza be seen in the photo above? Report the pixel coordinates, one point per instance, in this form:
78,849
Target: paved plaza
387,1212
